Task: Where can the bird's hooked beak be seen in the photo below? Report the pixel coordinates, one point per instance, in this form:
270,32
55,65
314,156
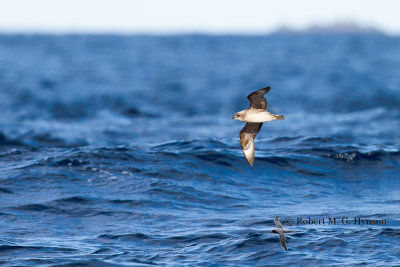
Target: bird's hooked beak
234,116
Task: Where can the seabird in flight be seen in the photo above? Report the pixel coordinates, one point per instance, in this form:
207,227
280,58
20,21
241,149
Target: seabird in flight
281,232
255,115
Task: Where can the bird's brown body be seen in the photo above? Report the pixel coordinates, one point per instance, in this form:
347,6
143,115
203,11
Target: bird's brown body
255,115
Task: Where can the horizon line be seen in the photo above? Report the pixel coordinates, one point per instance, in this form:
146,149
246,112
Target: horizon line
179,33
341,26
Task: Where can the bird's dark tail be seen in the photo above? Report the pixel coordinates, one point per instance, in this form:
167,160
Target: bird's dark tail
279,117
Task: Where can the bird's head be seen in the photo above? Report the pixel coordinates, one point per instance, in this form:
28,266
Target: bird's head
238,116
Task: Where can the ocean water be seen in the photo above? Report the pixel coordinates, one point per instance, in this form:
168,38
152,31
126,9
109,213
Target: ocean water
120,151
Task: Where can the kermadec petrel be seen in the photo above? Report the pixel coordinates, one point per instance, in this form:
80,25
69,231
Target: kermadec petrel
255,115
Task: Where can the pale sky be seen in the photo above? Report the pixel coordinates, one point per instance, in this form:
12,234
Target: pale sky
186,16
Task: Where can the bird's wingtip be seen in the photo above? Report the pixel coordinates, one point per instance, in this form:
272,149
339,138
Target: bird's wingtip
250,161
266,89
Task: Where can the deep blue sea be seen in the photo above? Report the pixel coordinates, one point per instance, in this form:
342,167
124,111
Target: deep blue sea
120,151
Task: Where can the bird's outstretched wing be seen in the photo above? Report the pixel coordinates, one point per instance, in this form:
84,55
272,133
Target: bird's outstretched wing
247,135
278,223
282,238
257,99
